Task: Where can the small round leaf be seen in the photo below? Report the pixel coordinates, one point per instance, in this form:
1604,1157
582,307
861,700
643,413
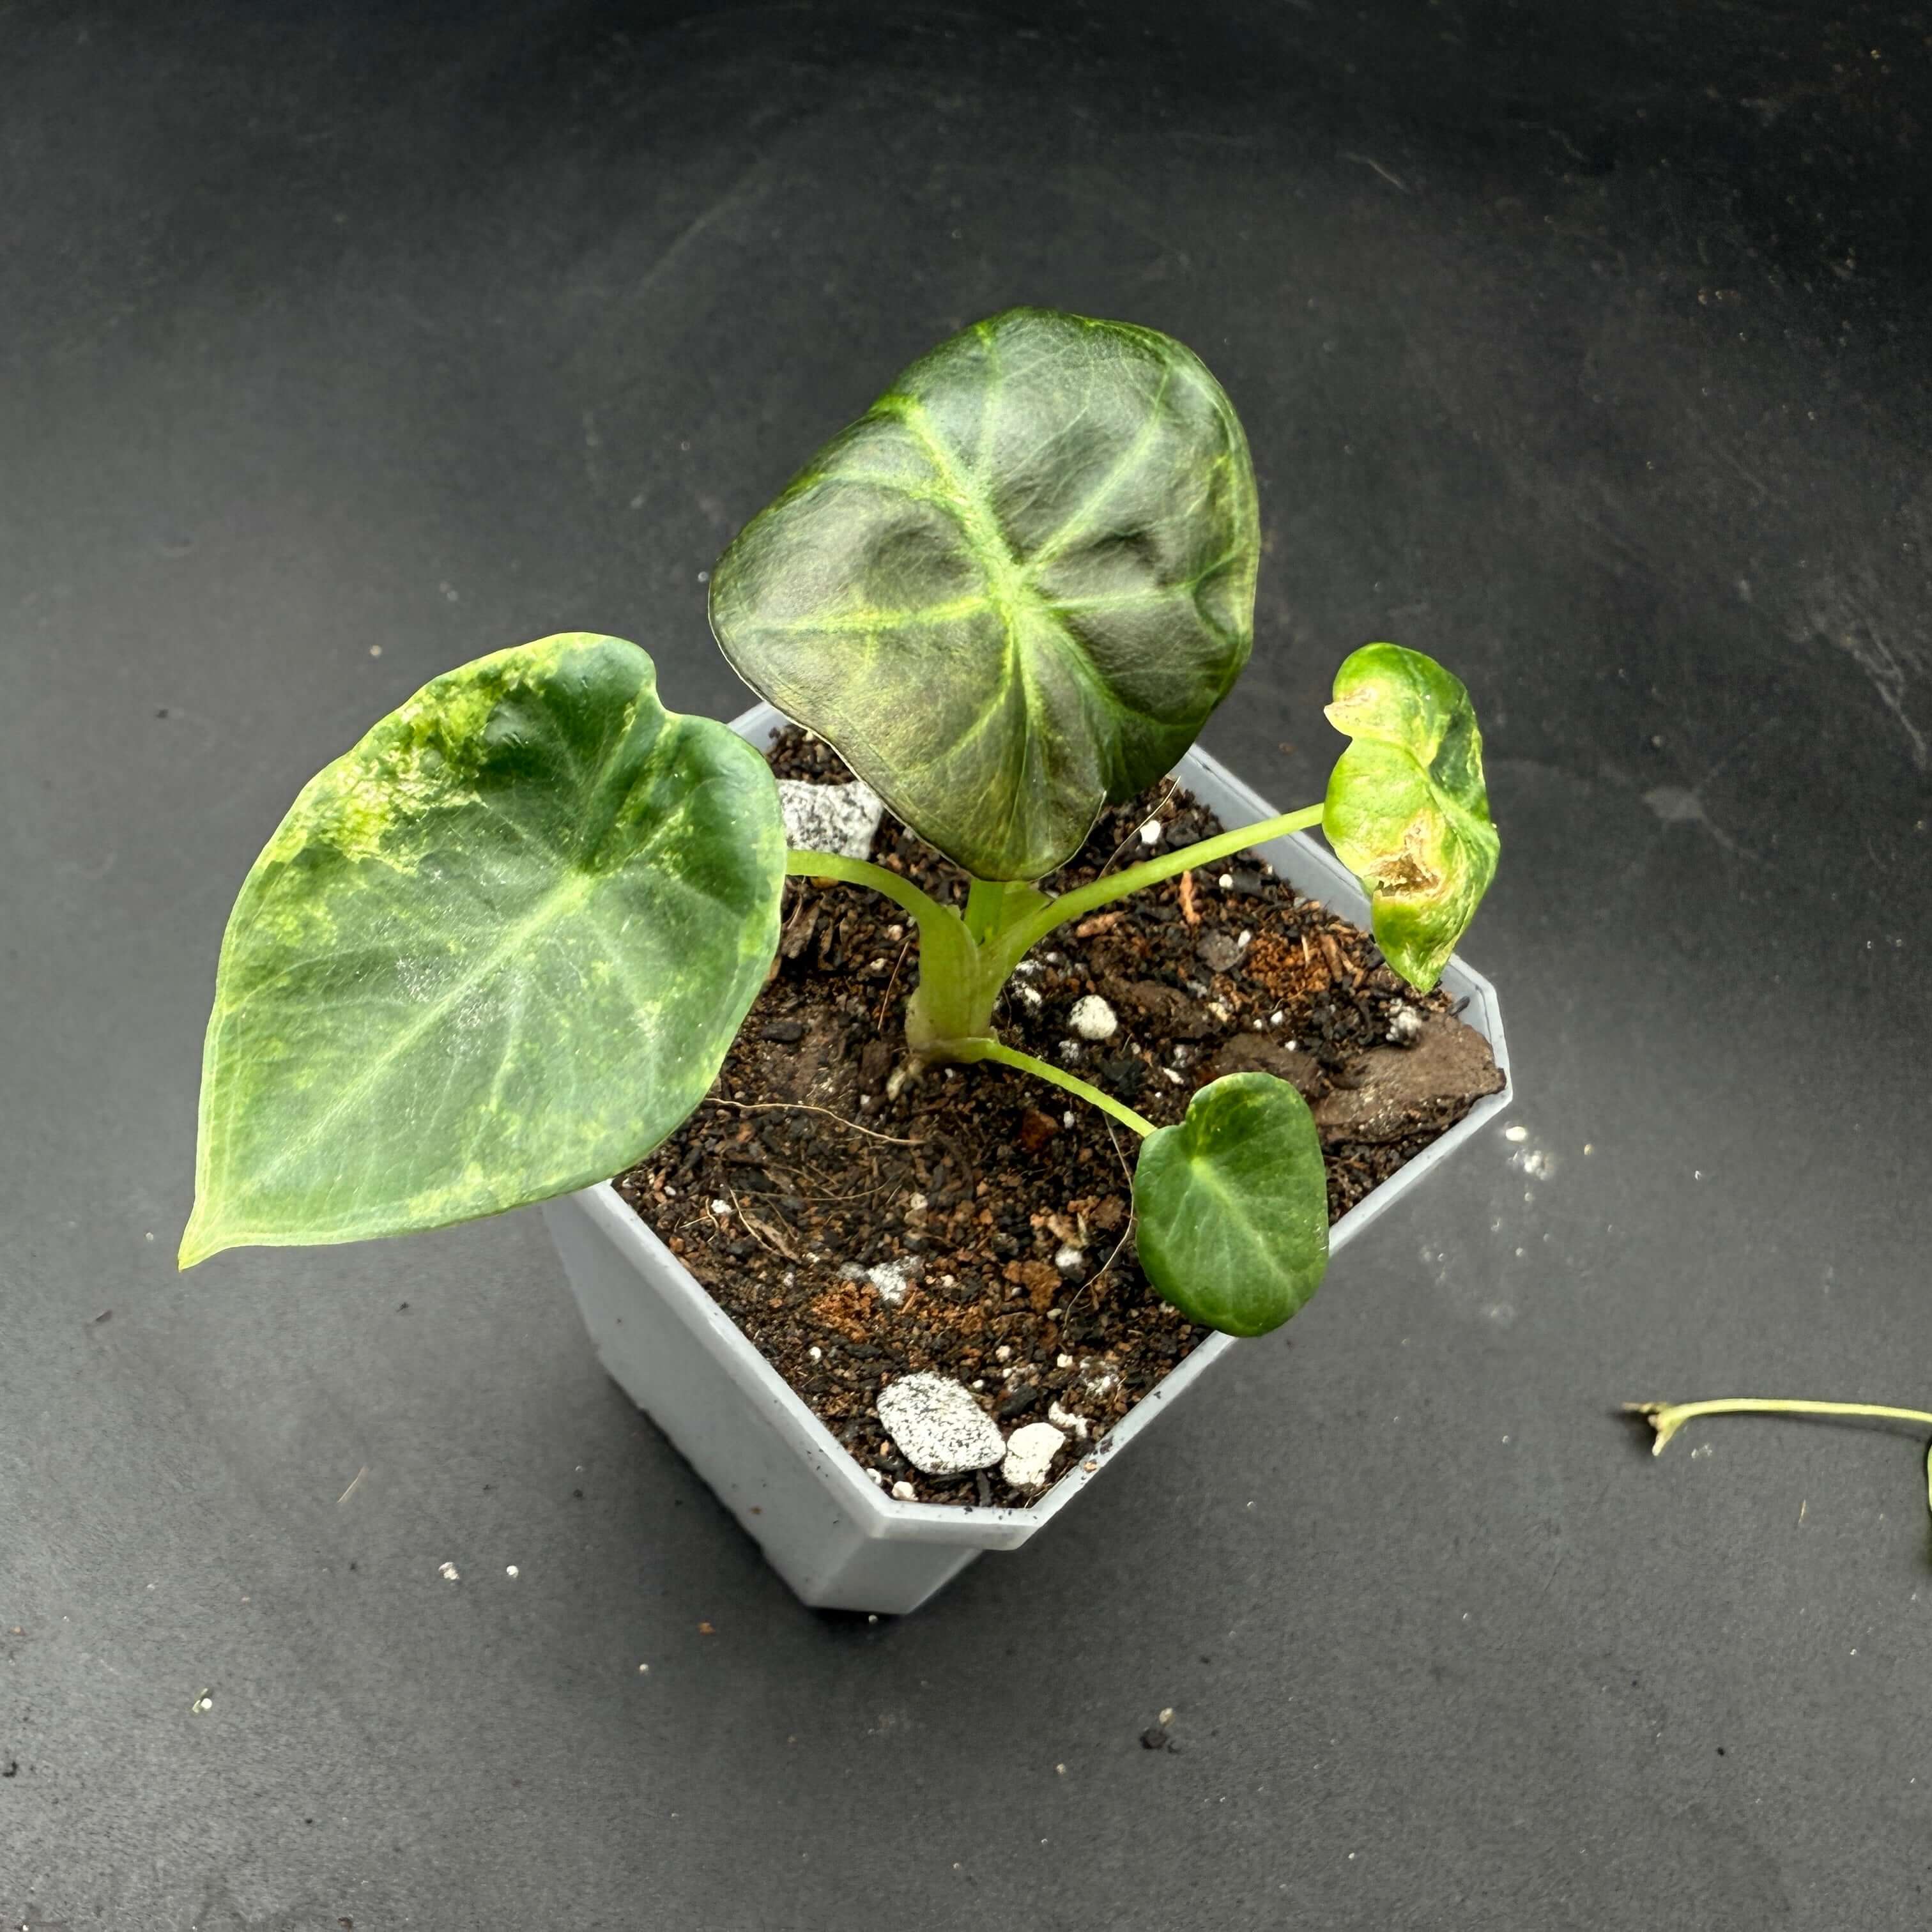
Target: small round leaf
1231,1206
1407,812
1014,588
495,953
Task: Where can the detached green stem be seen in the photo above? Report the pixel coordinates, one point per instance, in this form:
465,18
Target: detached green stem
967,1050
1668,1417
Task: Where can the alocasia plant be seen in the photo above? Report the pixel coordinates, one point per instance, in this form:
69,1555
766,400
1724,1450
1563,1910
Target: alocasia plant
499,949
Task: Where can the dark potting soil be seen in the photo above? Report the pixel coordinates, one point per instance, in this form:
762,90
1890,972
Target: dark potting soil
859,1225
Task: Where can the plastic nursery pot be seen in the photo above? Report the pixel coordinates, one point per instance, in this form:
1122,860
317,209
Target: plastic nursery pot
838,1541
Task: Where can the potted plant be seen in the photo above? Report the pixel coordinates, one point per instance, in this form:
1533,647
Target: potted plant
499,952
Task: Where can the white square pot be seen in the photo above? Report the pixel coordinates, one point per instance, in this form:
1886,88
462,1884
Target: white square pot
840,1542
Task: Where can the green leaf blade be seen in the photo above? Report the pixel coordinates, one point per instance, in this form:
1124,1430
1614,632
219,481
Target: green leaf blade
1231,1206
496,951
1014,590
1407,810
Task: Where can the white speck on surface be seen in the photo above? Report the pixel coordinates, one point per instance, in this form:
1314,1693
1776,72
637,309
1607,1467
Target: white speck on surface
375,650
1405,1025
722,1210
895,1081
1149,838
1099,1377
1030,1454
1053,959
202,1705
1069,1050
1093,1019
1066,1118
511,1570
915,1204
1227,882
877,1477
1074,1425
816,1353
1063,1361
937,1426
1244,938
830,818
643,1670
892,1280
450,1573
1029,967
1068,1259
1167,1073
1167,1716
1277,1017
1002,1353
1031,994
1589,1147
1515,1133
905,1492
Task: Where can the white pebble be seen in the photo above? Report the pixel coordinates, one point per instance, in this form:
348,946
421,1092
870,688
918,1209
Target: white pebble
1066,1118
1227,882
839,818
1246,938
1063,1361
511,1570
1068,1258
892,1280
938,1426
878,1476
1151,833
1031,994
1002,1354
1075,1425
816,1353
905,1492
1276,1017
1030,1454
1093,1019
1168,1073
1515,1133
1405,1025
449,1573
722,1210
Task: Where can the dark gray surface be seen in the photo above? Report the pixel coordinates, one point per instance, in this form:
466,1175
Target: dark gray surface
1586,353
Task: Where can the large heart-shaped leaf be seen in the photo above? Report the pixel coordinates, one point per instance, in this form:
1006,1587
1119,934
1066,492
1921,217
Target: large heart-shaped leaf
1014,589
1407,812
1231,1206
495,953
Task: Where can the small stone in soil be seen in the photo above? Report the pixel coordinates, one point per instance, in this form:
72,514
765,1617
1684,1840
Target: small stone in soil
1030,1454
831,818
1093,1018
1154,1738
937,1426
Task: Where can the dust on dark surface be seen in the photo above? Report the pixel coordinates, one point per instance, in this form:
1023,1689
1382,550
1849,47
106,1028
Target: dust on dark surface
858,1225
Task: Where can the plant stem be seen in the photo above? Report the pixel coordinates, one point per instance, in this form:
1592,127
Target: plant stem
863,872
1668,1417
1014,946
966,1050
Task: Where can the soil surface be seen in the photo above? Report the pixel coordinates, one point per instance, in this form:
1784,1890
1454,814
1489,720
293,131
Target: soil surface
859,1225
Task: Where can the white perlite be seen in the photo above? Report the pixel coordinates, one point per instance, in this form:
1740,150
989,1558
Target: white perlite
1093,1019
1075,1425
830,818
1030,1454
937,1426
893,1279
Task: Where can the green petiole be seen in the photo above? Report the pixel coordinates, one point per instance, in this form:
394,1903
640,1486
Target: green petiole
966,1050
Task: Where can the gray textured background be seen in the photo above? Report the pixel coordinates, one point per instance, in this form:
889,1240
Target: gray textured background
1588,354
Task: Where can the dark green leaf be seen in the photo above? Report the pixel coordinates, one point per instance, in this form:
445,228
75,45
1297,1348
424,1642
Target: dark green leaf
496,951
1407,812
1232,1206
1014,589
